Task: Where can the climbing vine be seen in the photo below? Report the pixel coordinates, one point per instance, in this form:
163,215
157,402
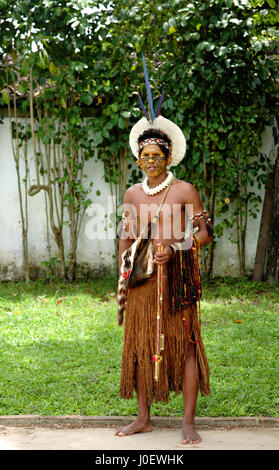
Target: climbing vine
74,67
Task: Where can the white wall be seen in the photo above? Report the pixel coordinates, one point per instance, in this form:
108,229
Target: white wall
97,253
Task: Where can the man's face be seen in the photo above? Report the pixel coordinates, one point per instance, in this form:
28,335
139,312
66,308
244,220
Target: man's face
153,160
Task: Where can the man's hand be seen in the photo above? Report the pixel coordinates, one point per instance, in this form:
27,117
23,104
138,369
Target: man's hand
164,256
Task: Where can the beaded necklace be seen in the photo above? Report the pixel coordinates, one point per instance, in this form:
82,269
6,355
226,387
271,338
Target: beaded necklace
157,189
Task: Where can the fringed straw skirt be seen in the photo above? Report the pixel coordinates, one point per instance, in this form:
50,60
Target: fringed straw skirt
140,336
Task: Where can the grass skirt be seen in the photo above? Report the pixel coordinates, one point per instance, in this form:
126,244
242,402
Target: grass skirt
140,329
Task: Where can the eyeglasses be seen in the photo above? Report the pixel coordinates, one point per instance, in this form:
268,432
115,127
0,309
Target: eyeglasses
146,159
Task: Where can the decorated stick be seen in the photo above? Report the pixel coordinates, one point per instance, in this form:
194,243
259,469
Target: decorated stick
161,342
160,338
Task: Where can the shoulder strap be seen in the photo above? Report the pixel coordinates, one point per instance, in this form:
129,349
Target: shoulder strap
163,200
156,216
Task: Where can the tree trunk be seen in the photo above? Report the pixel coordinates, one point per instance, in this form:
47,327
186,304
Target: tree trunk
23,207
73,252
273,246
263,239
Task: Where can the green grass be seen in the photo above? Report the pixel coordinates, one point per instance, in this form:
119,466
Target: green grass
60,350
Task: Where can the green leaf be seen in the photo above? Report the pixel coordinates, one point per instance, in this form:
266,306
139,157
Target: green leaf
191,86
53,69
114,107
5,97
22,88
257,46
98,138
125,114
87,99
121,123
63,102
222,144
166,27
272,3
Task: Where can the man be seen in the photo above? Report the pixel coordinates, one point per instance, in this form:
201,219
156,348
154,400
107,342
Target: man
158,143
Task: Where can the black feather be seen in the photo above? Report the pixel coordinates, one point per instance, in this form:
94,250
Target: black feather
143,108
159,105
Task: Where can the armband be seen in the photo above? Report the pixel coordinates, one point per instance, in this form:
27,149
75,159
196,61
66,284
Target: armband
196,222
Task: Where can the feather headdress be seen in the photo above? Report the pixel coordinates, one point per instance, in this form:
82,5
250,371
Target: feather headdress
150,116
153,120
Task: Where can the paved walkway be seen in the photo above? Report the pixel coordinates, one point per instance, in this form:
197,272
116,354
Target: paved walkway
18,438
17,433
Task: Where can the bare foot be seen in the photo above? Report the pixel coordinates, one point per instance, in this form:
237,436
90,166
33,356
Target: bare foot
133,428
190,436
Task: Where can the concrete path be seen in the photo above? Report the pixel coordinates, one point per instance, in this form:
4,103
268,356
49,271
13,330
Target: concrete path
102,438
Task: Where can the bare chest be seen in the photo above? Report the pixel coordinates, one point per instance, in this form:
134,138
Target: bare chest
172,216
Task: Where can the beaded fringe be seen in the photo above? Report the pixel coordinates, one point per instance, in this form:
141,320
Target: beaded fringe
183,270
140,329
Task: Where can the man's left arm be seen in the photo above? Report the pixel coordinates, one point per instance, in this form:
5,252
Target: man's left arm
191,197
202,235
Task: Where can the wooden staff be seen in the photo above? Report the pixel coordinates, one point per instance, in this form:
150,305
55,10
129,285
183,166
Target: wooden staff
160,338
